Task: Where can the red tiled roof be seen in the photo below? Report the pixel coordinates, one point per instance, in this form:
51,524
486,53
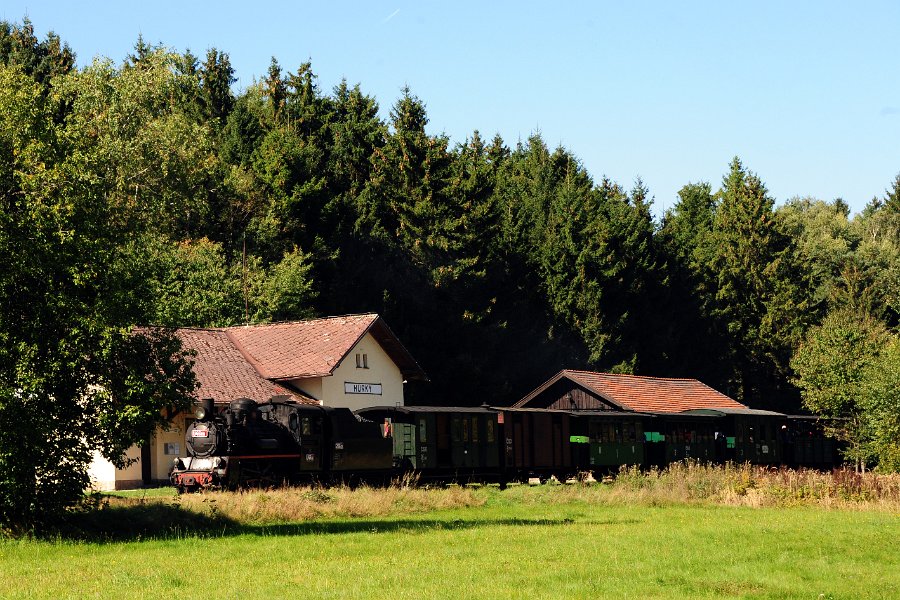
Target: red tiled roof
223,373
302,348
644,394
249,361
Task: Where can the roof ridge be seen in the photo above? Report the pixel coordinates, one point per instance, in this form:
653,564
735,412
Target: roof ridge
634,376
207,329
298,321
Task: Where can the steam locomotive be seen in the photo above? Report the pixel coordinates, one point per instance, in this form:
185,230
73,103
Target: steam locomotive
250,444
280,441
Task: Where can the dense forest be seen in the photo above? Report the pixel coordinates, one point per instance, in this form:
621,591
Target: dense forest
153,192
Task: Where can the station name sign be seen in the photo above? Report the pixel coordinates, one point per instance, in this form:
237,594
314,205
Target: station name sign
373,389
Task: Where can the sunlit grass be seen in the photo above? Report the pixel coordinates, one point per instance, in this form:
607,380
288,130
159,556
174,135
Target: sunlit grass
504,549
543,542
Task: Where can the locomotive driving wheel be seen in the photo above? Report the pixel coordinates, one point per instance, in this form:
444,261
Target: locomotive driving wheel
258,474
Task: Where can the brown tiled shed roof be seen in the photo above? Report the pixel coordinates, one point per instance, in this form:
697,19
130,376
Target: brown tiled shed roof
223,372
642,394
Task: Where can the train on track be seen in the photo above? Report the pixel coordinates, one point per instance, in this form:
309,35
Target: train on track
280,441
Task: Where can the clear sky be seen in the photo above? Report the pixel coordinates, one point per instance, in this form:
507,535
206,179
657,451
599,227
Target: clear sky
806,93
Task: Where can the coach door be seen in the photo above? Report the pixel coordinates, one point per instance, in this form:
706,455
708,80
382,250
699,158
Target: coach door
312,451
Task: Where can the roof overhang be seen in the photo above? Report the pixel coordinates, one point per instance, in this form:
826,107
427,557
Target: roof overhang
722,412
394,348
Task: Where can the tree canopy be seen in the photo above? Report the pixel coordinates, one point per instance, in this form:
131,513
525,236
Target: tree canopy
154,193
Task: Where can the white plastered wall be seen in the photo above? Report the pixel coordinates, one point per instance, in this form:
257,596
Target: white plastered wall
381,370
171,440
102,473
105,476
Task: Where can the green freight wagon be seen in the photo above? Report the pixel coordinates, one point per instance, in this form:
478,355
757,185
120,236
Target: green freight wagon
612,439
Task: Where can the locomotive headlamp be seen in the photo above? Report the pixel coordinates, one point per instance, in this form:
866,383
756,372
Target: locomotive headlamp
205,410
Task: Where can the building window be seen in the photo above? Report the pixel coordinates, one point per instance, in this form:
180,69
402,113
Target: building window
362,361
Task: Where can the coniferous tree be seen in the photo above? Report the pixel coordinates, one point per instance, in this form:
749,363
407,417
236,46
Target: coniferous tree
758,297
216,78
40,60
692,344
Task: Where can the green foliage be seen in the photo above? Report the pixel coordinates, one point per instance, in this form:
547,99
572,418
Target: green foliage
283,201
72,377
695,344
826,244
189,284
155,161
757,294
835,364
217,75
880,404
41,60
286,293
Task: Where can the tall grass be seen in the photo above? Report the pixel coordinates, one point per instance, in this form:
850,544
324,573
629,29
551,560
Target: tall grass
293,504
680,483
755,486
160,514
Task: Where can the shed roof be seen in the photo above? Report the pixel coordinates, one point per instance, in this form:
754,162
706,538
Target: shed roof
641,394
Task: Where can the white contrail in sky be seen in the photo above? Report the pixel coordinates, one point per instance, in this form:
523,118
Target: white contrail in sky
390,16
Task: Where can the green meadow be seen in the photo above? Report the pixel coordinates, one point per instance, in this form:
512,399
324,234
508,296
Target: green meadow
544,542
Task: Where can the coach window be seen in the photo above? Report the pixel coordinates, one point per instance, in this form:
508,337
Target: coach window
629,431
423,430
608,433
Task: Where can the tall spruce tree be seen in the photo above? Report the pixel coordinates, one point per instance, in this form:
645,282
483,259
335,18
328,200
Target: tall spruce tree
759,299
216,77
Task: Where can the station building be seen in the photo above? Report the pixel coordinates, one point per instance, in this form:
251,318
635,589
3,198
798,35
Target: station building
352,361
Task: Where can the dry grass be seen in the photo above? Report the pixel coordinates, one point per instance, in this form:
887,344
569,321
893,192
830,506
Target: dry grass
746,485
296,504
680,484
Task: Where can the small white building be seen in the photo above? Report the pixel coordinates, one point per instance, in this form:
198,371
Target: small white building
352,361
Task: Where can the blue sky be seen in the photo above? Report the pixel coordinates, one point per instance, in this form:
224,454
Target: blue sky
807,94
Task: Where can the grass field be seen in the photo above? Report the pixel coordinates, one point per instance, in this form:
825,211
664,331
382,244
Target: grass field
546,542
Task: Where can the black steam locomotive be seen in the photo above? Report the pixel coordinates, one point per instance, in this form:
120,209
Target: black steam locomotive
250,444
267,444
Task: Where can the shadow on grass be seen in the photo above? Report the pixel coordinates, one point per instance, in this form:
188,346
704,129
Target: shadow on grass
159,521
